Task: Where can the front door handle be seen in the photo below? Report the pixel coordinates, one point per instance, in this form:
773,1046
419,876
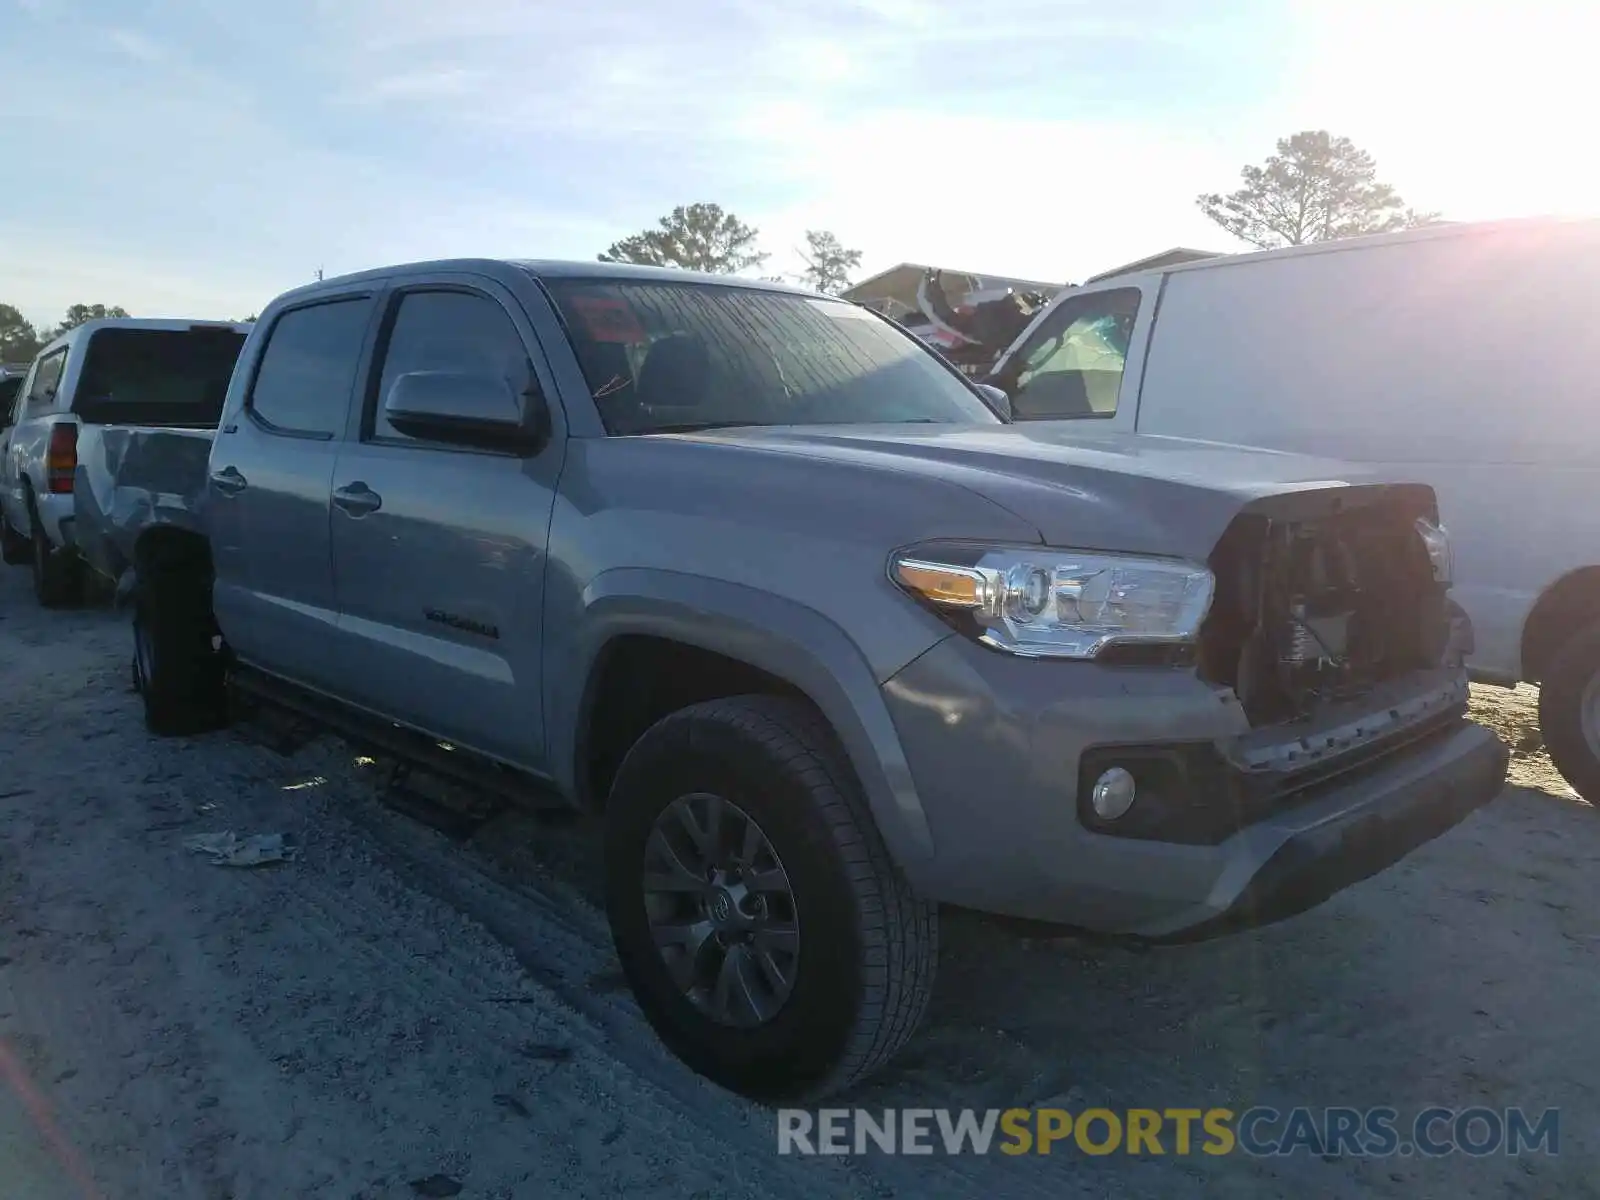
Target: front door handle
357,499
229,481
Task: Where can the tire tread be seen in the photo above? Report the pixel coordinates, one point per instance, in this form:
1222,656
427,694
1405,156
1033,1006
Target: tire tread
193,700
1560,716
899,930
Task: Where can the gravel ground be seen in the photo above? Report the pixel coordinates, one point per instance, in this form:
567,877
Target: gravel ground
397,1014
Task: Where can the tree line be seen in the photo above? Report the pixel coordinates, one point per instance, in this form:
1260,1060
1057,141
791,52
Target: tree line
702,237
20,339
1315,187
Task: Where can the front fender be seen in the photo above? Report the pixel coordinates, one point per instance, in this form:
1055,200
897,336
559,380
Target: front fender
777,635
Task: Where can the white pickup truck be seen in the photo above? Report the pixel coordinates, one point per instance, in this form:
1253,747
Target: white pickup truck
1461,356
101,375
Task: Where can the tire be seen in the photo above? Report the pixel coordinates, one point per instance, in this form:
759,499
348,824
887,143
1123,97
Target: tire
1569,711
57,575
176,671
867,946
15,550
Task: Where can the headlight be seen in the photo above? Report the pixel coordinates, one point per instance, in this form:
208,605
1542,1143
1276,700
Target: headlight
1048,603
1437,539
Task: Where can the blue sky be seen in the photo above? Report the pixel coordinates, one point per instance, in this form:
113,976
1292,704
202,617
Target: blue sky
195,158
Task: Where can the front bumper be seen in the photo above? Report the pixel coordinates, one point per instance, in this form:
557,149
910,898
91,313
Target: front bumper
995,745
1342,846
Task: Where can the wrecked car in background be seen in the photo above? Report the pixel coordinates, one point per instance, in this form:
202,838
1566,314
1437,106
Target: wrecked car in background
87,395
976,328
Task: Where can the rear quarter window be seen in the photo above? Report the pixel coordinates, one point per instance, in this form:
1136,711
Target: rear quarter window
45,382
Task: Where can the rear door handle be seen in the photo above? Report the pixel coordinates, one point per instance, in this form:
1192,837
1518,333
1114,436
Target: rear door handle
228,481
357,499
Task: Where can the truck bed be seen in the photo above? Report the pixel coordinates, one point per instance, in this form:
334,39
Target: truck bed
131,478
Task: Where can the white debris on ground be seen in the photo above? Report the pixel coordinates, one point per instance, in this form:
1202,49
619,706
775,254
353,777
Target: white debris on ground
398,1015
228,849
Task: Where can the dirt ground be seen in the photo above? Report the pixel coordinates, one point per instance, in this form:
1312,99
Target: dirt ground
396,1014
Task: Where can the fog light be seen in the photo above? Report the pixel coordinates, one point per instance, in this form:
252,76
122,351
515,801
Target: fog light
1113,794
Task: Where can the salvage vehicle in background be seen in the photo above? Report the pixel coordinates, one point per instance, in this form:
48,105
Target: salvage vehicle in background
85,383
11,377
1461,356
762,579
973,334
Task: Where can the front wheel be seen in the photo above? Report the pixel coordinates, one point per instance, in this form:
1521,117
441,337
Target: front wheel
1569,712
770,940
176,670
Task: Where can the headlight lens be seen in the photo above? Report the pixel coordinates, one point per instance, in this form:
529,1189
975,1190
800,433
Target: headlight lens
1437,539
1049,603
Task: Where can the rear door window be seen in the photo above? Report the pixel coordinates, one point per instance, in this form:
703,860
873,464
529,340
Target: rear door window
303,384
1073,363
157,376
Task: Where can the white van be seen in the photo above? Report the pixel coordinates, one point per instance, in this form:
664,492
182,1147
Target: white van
1462,356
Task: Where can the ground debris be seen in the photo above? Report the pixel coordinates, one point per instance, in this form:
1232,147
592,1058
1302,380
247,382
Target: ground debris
544,1052
511,1104
228,849
436,1186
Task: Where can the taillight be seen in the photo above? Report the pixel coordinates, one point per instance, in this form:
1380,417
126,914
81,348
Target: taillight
62,458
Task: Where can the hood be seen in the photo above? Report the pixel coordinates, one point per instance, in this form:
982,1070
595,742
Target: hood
1123,492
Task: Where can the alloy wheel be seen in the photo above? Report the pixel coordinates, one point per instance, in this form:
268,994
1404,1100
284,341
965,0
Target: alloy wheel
721,910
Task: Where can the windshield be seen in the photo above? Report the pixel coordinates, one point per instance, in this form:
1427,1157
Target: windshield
661,357
157,376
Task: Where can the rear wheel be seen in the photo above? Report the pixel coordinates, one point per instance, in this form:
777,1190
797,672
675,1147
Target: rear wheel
176,670
771,942
1569,712
15,550
57,575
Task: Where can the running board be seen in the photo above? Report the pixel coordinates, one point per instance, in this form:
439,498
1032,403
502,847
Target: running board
416,751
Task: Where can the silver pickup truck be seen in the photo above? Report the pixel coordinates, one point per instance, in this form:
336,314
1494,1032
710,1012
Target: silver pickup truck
89,383
826,640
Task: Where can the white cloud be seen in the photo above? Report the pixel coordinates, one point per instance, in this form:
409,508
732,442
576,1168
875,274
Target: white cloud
428,85
136,45
1033,198
1040,138
87,270
843,114
1479,110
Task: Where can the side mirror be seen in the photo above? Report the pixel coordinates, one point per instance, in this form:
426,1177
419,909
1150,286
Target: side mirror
997,399
466,409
